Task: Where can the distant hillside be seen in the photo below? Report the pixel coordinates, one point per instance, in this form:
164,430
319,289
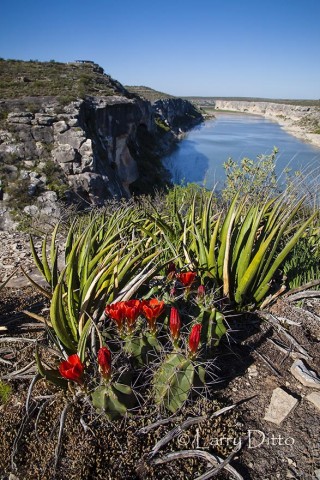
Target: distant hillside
19,79
208,101
148,93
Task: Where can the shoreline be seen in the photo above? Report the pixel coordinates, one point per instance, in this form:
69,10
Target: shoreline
287,125
301,133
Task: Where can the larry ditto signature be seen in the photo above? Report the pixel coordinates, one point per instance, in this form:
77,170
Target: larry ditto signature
255,438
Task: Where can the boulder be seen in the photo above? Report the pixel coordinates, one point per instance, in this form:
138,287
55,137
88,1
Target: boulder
314,397
73,122
64,153
307,377
20,117
281,404
86,153
23,132
74,137
92,187
11,172
42,134
60,127
31,210
45,119
48,197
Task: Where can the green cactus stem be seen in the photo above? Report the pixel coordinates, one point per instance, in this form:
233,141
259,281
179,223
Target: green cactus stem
173,382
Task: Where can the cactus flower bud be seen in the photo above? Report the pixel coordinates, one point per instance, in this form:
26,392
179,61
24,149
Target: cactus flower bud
174,323
194,338
201,292
104,361
72,369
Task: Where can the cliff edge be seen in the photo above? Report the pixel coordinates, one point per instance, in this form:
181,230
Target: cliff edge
71,133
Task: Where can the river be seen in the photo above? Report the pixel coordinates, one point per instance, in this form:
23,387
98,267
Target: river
200,155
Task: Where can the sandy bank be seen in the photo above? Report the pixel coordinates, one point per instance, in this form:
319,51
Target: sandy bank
300,132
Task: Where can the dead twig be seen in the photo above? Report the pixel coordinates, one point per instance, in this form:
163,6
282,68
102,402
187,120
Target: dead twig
213,472
37,317
288,321
211,458
287,351
86,427
18,339
6,362
163,421
32,384
313,283
271,298
272,319
268,363
62,423
31,366
304,294
174,433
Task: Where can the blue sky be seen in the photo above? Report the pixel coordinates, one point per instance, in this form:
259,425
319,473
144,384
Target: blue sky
260,48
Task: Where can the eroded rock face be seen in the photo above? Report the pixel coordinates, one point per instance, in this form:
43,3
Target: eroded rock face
89,142
177,113
111,124
95,143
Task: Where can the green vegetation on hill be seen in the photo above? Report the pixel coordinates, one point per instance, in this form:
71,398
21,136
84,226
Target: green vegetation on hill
148,93
20,79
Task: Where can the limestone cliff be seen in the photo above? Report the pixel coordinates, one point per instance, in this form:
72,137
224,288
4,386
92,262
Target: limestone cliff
85,150
268,109
85,147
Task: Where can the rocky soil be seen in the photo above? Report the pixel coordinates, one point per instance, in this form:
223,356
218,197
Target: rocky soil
272,432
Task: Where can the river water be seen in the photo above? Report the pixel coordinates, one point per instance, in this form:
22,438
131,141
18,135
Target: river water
200,155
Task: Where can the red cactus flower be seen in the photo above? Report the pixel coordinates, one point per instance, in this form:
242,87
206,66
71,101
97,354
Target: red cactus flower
72,369
194,338
187,278
132,310
174,323
104,361
117,313
152,309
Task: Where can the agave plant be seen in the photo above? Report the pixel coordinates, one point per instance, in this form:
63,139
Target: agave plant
102,263
240,253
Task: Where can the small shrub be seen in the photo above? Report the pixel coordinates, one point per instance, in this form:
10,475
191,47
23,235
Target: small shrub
257,179
65,100
162,125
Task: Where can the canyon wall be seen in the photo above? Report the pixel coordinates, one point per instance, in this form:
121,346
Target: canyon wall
85,152
299,120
